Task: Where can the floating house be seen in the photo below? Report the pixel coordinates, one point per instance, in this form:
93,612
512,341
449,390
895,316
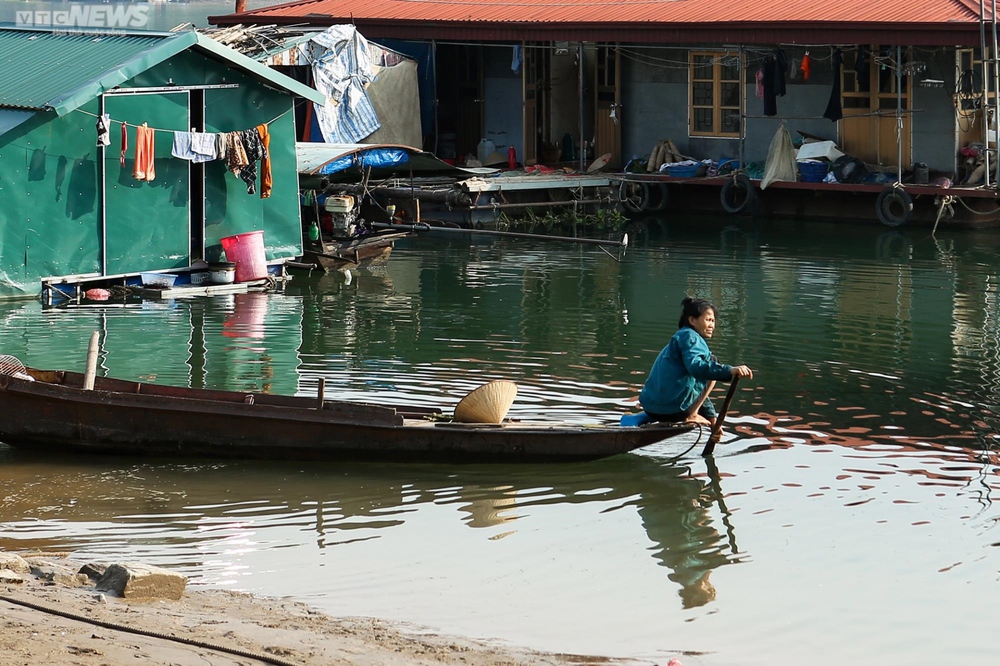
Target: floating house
82,205
902,89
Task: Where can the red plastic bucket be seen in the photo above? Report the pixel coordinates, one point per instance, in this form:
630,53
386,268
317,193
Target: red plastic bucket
247,252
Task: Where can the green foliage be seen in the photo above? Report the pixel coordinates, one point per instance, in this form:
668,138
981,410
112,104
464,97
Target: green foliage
550,219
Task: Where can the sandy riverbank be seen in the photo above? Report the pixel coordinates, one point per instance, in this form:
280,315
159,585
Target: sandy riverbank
254,631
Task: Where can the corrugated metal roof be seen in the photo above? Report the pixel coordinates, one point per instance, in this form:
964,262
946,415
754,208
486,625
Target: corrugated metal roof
47,69
924,22
38,67
617,11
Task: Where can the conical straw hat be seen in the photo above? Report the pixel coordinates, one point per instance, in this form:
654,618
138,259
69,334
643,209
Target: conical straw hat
487,404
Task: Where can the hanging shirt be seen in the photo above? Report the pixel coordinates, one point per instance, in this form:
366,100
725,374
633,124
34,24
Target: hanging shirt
236,156
255,151
104,130
266,181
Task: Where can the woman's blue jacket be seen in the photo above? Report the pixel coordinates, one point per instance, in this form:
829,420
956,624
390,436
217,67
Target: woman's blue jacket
680,373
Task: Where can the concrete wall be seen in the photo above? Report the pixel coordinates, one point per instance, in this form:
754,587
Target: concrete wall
655,106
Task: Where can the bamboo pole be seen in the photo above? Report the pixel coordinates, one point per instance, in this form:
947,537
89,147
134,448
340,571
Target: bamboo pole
90,373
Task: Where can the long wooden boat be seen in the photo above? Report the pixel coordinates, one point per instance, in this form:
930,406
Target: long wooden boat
54,412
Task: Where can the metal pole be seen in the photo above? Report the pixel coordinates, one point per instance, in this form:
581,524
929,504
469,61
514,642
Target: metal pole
986,91
743,109
996,103
899,114
434,82
582,151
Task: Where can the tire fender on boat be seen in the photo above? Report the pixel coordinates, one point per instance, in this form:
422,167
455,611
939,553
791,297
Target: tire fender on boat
633,195
894,206
658,197
737,194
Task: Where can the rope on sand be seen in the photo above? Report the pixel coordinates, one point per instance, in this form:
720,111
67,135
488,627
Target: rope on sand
152,634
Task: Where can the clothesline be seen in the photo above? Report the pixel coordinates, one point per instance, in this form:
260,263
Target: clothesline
127,124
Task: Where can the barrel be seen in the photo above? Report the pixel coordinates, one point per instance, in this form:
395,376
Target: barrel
247,252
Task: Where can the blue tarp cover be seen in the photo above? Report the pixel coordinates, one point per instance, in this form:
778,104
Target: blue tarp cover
374,157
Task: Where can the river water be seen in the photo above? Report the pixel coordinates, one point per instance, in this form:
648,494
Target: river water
849,518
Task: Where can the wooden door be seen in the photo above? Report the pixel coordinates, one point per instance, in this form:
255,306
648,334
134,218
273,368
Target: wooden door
608,109
869,129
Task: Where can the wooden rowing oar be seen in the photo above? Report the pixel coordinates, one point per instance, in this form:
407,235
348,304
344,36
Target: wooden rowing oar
717,429
423,226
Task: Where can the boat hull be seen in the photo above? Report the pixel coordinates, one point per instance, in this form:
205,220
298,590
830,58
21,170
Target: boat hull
136,419
352,253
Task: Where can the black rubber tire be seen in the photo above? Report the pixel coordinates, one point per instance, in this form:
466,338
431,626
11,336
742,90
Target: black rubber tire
737,194
894,206
634,195
658,197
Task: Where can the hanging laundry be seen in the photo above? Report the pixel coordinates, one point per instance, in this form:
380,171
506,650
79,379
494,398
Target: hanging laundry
833,109
145,143
805,66
861,69
203,146
182,146
124,143
515,63
255,151
194,146
266,180
236,156
220,146
760,84
104,130
780,69
769,96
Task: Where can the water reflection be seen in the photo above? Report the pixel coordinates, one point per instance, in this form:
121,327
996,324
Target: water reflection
199,514
870,431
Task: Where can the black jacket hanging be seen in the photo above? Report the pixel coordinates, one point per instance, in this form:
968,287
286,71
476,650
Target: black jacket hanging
768,81
833,109
780,70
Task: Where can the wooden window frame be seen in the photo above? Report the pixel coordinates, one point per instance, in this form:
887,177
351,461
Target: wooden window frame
696,74
849,88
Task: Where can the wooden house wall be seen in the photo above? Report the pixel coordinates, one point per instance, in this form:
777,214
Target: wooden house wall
655,100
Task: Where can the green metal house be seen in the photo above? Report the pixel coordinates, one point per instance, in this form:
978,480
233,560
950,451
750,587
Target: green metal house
72,211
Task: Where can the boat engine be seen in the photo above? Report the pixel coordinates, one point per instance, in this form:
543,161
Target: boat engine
343,211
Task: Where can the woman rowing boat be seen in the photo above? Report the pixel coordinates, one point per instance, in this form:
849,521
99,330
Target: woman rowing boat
686,371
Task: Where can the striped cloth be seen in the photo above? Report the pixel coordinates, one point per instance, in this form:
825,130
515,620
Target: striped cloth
341,75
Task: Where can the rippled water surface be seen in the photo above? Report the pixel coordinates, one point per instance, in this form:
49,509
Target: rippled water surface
850,516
